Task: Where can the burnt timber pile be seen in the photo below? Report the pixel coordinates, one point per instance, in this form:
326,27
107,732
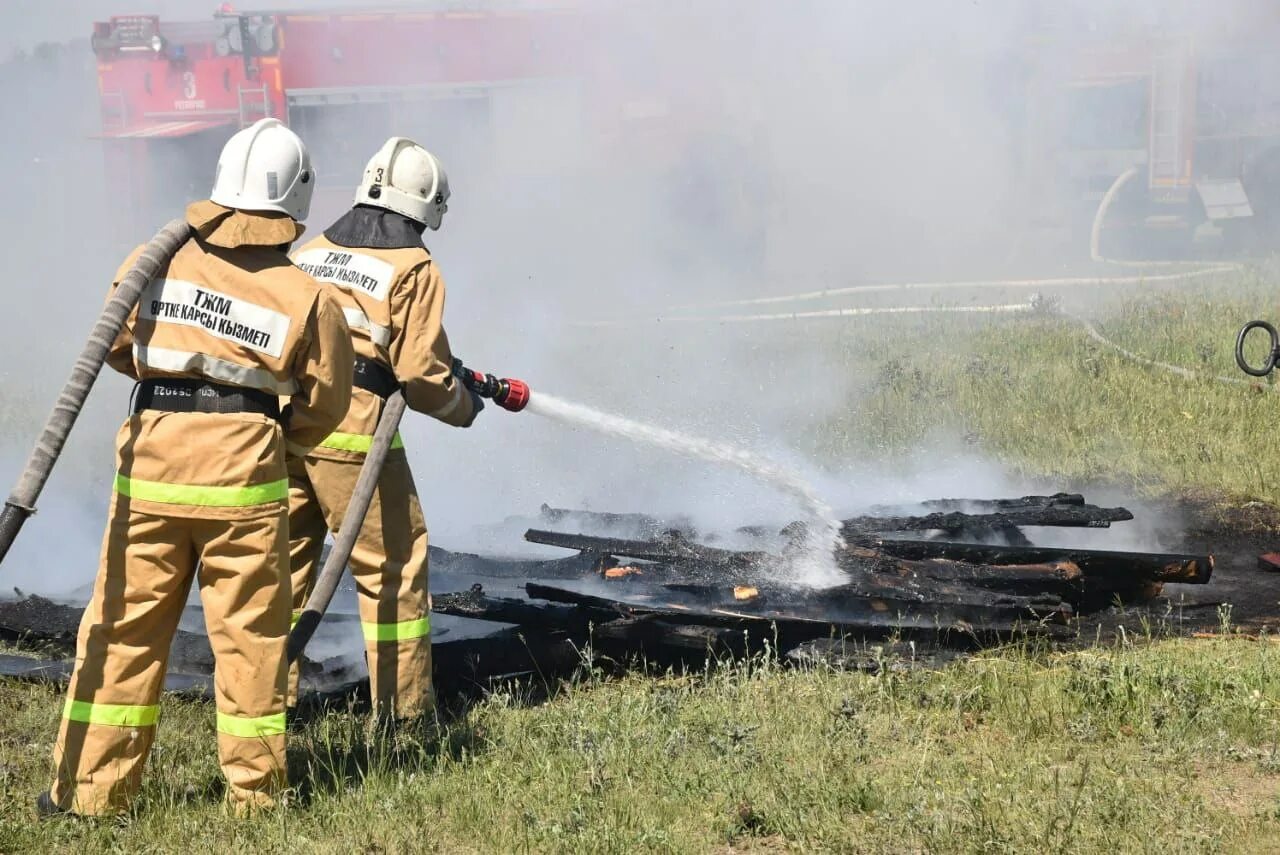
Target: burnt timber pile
959,574
941,576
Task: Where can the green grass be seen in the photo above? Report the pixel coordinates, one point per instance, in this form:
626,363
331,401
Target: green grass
1148,746
1040,397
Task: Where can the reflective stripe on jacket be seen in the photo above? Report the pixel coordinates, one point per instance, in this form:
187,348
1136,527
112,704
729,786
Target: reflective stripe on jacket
230,307
393,300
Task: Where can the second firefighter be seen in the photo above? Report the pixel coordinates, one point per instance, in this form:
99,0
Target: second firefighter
374,261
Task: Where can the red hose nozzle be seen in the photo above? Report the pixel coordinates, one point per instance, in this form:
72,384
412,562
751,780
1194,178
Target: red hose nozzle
507,393
513,396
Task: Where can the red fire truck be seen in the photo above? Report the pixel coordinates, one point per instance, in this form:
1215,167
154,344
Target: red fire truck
172,93
534,96
1175,112
1185,104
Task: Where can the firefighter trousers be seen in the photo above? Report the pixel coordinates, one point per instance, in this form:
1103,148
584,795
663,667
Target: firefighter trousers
389,564
148,563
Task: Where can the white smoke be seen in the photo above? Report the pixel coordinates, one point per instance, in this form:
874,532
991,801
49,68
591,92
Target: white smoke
711,149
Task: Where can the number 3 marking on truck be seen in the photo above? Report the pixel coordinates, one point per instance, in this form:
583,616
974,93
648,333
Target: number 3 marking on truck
188,85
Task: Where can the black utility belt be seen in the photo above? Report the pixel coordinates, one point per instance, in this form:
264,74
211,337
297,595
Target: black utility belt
189,395
375,377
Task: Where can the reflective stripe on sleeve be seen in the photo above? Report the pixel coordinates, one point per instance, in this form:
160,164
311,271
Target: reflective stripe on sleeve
357,442
460,397
358,320
220,370
404,631
251,728
117,715
201,495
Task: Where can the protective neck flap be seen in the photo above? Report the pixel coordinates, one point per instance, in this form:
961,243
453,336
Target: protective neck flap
375,228
229,228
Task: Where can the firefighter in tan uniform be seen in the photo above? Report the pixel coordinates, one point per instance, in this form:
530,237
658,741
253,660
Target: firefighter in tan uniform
226,330
393,297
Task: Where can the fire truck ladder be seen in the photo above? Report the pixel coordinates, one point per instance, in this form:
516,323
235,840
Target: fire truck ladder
254,104
1167,164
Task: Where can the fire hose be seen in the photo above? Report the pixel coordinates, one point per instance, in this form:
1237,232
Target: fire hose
1273,350
507,393
21,503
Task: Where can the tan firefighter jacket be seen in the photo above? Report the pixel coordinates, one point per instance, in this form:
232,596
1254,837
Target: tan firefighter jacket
393,298
232,309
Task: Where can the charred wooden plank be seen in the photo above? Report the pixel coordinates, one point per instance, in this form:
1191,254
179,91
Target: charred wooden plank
1155,566
975,506
892,595
1078,516
672,549
858,615
943,579
1029,592
468,564
1058,579
907,591
470,666
1100,593
58,671
665,641
889,578
35,670
39,624
884,561
477,605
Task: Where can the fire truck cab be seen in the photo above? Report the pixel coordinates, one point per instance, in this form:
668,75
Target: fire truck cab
1185,110
172,93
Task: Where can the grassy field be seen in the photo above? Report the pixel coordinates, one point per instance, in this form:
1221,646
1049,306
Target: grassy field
1133,746
1040,397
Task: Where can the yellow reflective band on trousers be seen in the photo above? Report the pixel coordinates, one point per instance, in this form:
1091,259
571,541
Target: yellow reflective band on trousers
405,630
251,728
357,442
202,495
117,715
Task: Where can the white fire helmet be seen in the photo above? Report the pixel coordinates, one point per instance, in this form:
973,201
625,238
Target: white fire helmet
406,178
265,167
